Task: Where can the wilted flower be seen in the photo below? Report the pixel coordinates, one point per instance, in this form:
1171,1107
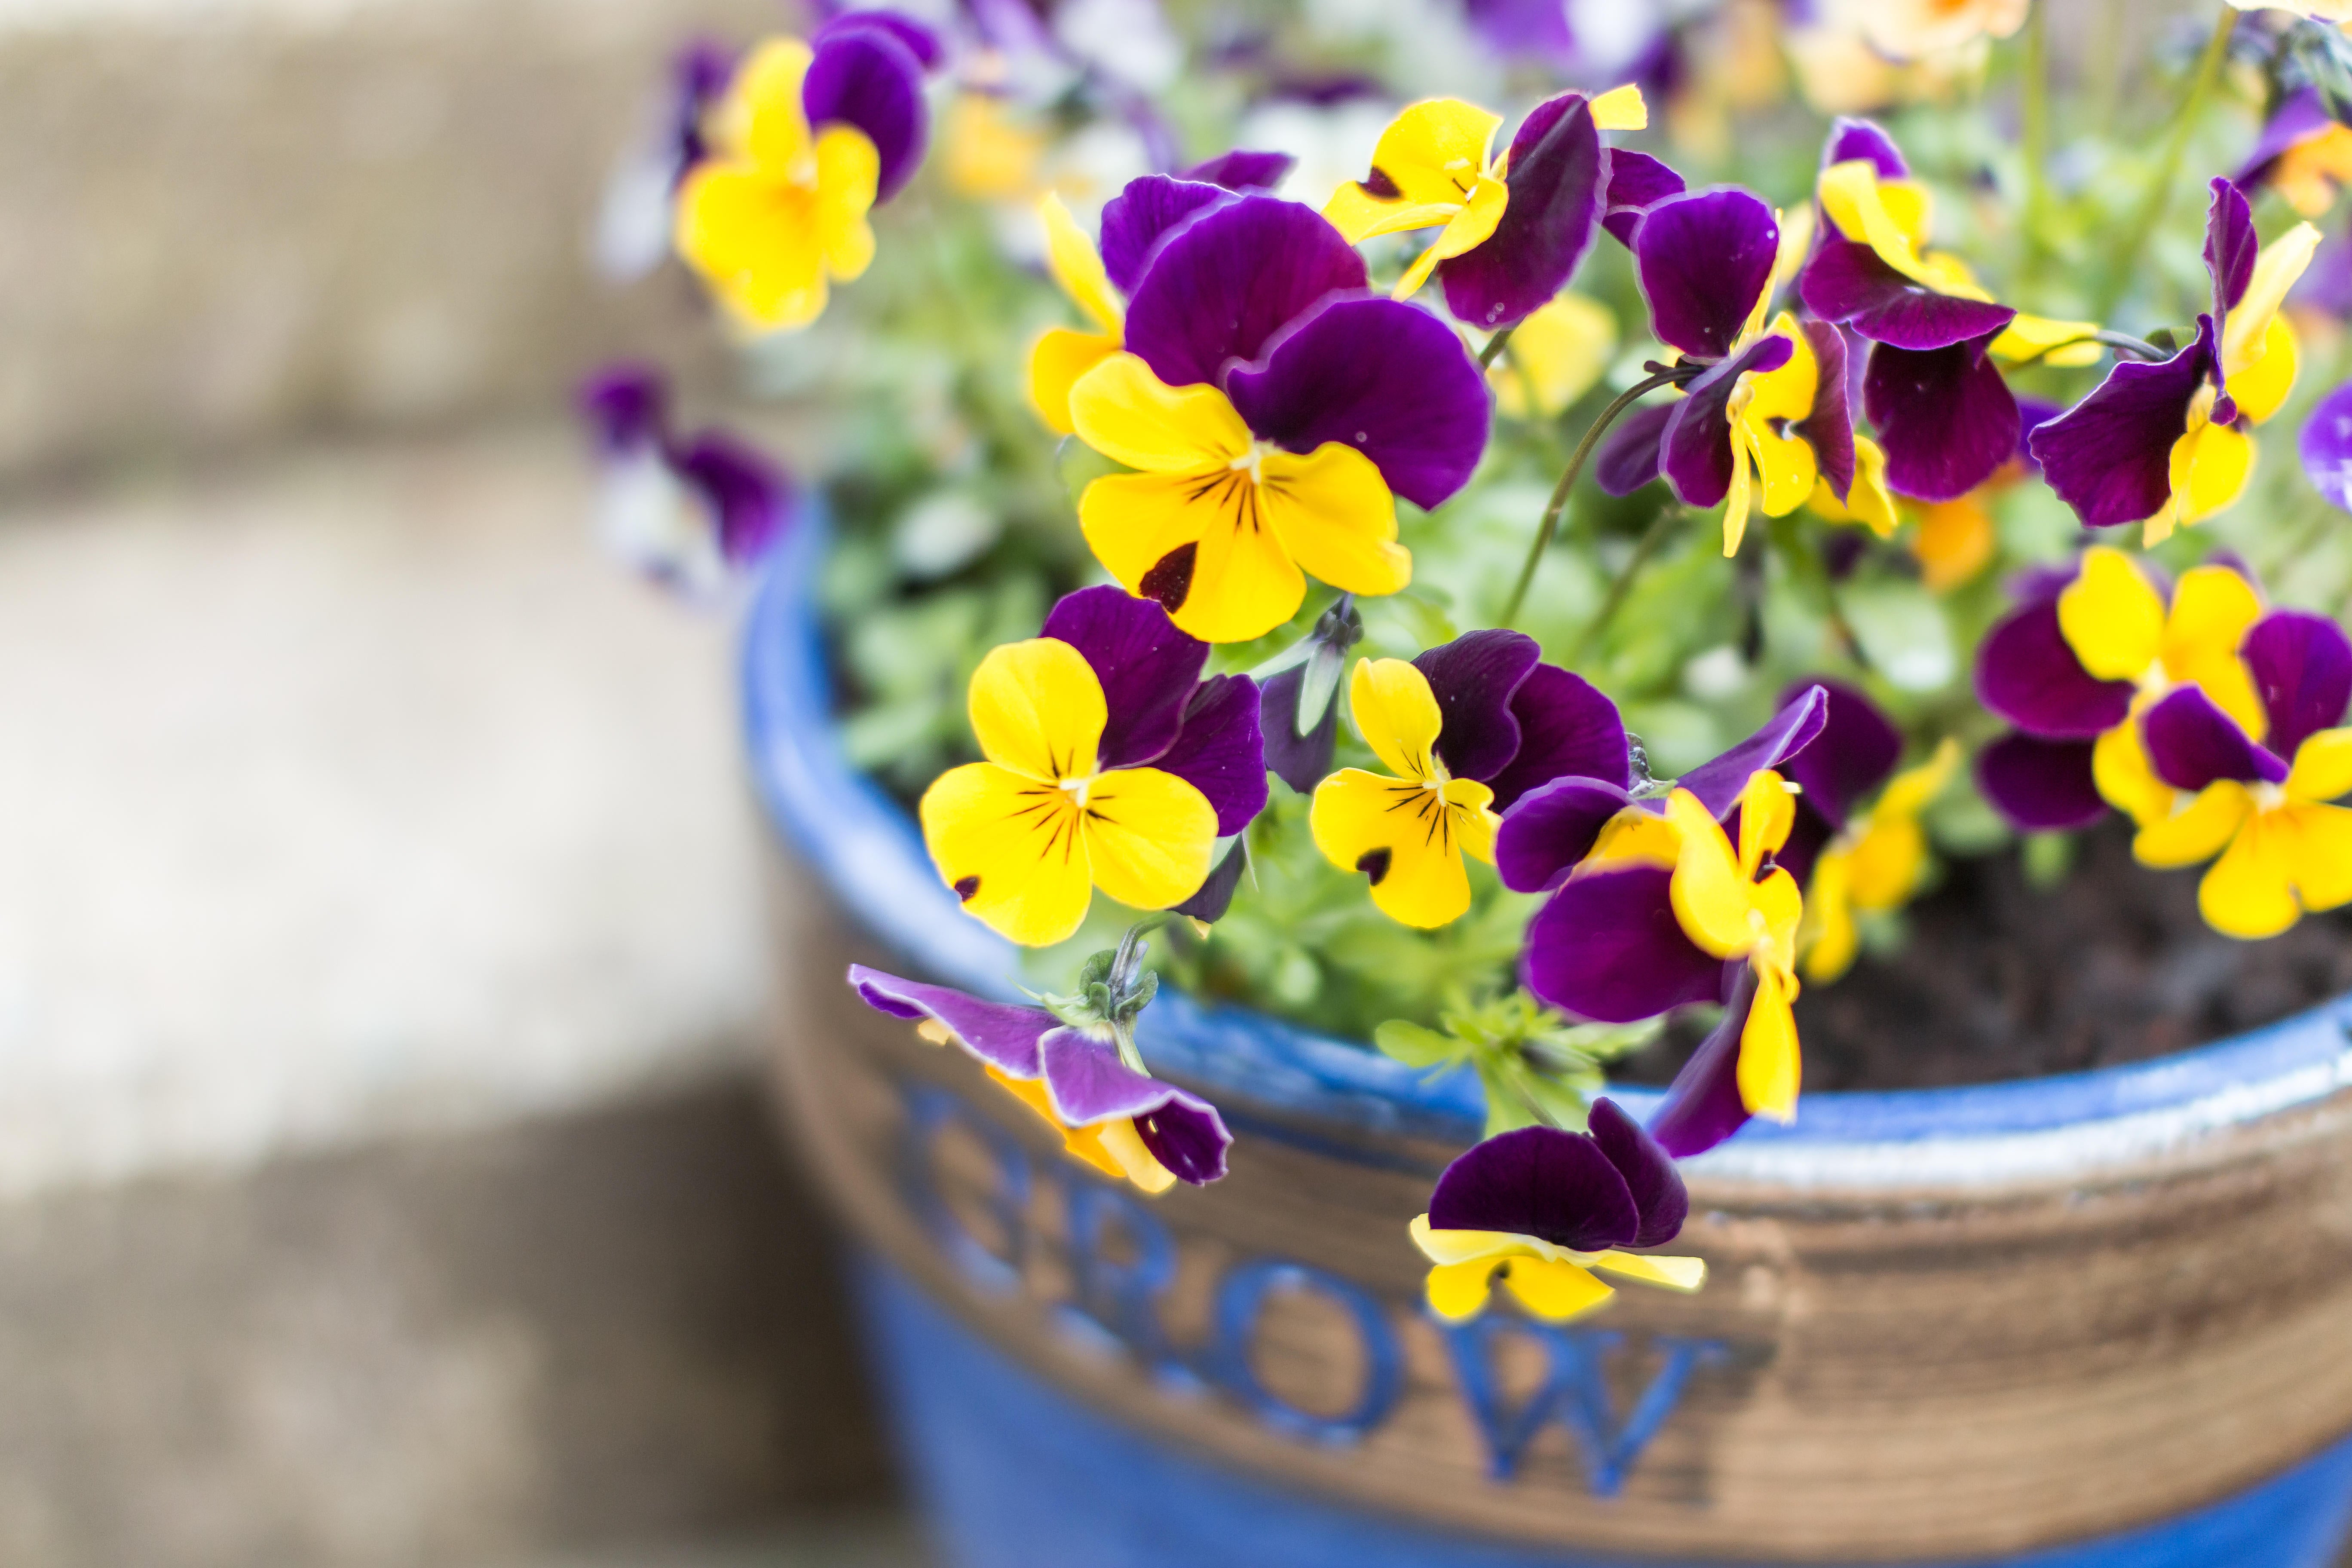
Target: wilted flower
1112,764
1111,1115
1274,412
688,513
1543,1209
1511,229
2165,442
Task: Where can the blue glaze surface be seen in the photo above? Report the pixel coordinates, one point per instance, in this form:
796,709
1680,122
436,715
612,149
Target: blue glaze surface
869,852
1016,1475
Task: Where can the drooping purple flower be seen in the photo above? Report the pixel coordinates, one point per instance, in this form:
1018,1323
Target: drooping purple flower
689,512
1095,1100
2110,455
1611,1187
1945,416
1703,1105
1299,710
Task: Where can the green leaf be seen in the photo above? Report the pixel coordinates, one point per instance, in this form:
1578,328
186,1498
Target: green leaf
1415,1045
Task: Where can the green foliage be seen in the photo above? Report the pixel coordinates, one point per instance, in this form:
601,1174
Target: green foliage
1535,1065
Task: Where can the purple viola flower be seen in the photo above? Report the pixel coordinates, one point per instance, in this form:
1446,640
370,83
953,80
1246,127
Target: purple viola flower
1242,170
691,513
2327,447
1855,752
2305,153
633,223
1637,181
1124,1122
1543,1209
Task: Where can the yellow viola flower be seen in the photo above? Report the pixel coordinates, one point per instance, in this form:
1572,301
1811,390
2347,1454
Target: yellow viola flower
1774,466
1874,866
1728,913
1062,354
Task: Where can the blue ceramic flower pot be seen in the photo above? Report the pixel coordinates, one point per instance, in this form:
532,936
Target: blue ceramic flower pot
2088,1322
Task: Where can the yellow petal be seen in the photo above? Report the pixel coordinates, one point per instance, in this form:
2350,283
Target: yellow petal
1460,1245
990,156
1712,899
2277,269
2212,609
1868,501
1333,515
1889,216
1741,498
1400,833
1828,938
1769,1062
1077,266
1780,908
2125,778
1397,716
1458,1290
1199,543
2268,375
1038,709
1149,835
1465,230
1133,523
1474,821
2322,767
1079,1143
848,167
1435,149
1635,838
1767,812
1554,1291
2112,616
1058,358
2209,469
1132,416
2039,339
2323,838
1557,353
1620,108
1908,792
1118,1139
759,116
2250,891
2199,829
2309,174
755,243
1674,1273
1010,848
1359,215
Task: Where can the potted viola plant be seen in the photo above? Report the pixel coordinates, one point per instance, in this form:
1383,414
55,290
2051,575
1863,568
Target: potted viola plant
1603,835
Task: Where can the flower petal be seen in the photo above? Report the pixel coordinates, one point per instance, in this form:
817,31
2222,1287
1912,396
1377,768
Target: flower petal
1397,714
1456,1292
1607,947
2322,877
1148,836
1011,849
1060,357
1718,782
1630,453
1087,1085
1695,449
1474,679
2250,891
2192,743
1188,1138
2322,767
2126,778
2197,829
1551,828
2231,246
1402,835
1331,512
1702,1106
919,39
1219,751
1434,146
1850,283
1637,183
1555,176
1240,170
1659,1197
1553,1289
1769,1063
1038,709
1389,380
1299,761
1854,753
1216,894
870,77
1702,260
1568,728
1131,416
1828,426
2112,616
2327,447
1711,892
2041,786
1947,419
2213,609
1227,280
1146,667
2028,674
1005,1037
2301,668
749,497
1139,216
1850,139
2109,457
759,254
1556,1186
1077,267
626,407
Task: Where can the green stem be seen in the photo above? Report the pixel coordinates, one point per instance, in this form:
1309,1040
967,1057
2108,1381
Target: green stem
1558,502
2126,258
2035,92
1621,586
1495,345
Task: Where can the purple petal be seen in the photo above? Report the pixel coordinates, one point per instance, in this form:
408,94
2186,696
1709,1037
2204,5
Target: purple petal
1847,281
1855,752
1004,1036
1637,183
1702,259
1227,280
1852,138
1786,734
699,73
1242,171
1568,728
2110,455
1703,1105
1552,829
2041,786
867,76
1216,895
1540,1182
1218,751
626,407
749,497
1945,418
1555,176
1146,212
1473,679
2230,246
1659,1196
2033,413
2302,116
1829,428
919,39
1088,1083
2327,447
1629,454
2302,664
1695,447
1302,761
1147,668
1523,29
1387,378
2192,743
1607,947
2028,674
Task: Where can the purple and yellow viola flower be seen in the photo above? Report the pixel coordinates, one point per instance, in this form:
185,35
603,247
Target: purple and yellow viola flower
2305,154
1125,1124
1110,763
2260,805
2166,444
1931,387
810,136
2085,653
1511,229
1766,423
1274,410
634,221
1544,1209
1098,282
691,513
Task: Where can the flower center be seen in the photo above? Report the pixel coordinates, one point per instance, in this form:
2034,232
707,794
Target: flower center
1252,461
2268,796
1076,788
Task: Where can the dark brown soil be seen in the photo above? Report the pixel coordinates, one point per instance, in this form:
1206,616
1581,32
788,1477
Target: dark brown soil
2001,980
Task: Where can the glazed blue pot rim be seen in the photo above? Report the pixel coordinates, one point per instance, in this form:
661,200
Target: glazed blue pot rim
869,853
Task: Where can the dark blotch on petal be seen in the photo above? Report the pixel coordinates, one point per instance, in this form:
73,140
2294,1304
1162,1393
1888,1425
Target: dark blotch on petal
1373,863
1170,580
1474,679
1659,1196
1146,667
1796,725
1703,1105
1541,1182
1568,728
1702,259
1135,220
2028,674
2192,743
2110,455
2041,786
1219,751
966,888
2302,666
1229,278
1607,947
1555,174
1945,418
